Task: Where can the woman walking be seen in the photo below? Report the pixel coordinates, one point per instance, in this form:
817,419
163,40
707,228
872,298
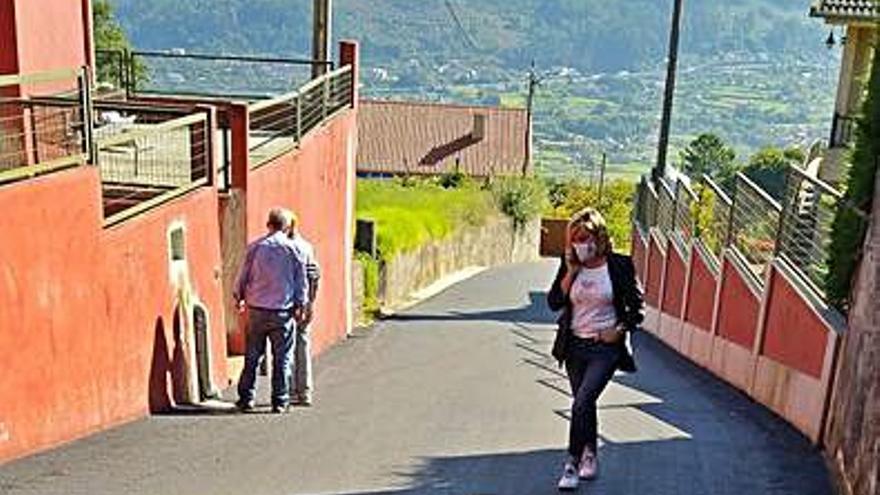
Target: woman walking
600,302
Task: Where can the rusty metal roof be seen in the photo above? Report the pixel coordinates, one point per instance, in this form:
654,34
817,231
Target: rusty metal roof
404,137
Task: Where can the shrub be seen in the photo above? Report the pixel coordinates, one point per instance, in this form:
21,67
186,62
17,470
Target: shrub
570,196
452,180
522,199
370,303
848,230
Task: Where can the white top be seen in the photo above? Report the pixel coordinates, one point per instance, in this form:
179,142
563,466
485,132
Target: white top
592,297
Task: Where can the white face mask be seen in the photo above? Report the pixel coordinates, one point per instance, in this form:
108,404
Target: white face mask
585,251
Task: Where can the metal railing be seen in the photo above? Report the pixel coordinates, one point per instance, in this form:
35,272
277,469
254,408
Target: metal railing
684,223
44,123
808,215
111,69
842,130
244,77
751,223
149,163
277,125
712,212
754,226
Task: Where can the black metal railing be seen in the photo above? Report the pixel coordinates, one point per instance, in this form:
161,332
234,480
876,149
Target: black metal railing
245,77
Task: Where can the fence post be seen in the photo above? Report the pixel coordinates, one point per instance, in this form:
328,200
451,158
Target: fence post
325,97
85,97
729,238
298,102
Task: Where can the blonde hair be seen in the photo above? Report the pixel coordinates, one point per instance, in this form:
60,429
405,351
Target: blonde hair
593,222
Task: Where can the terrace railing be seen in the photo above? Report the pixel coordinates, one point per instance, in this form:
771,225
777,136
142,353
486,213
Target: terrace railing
227,76
279,124
148,163
44,123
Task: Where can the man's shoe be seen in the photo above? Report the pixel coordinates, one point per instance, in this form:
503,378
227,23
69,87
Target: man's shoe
245,405
589,466
302,400
280,409
569,480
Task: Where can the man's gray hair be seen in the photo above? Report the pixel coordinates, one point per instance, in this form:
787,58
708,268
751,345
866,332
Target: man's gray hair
279,219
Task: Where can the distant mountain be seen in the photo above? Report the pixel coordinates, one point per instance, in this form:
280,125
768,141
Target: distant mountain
590,35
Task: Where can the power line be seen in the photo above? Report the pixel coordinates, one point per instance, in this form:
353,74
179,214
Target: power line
459,25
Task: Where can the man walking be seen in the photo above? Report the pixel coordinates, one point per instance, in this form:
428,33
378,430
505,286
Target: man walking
301,391
272,283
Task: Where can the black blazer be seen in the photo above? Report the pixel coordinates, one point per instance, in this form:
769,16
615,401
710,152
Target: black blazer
628,305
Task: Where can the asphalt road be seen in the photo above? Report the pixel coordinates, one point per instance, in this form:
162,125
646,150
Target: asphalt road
454,396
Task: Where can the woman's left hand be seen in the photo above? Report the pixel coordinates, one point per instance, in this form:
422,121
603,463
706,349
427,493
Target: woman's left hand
611,336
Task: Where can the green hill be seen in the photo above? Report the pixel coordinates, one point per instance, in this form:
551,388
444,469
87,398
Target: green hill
593,35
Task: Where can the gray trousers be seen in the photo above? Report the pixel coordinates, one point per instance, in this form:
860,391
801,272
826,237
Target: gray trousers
590,367
302,362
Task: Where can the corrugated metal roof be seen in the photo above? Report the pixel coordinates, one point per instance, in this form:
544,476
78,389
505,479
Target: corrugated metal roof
856,10
428,138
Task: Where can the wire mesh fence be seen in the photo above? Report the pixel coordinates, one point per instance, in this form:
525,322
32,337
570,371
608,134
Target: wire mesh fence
149,161
278,124
43,122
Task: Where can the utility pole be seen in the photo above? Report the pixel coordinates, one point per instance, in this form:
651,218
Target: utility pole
530,101
659,170
602,176
322,17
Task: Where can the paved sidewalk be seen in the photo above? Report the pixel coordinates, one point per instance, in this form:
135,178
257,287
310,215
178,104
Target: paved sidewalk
455,396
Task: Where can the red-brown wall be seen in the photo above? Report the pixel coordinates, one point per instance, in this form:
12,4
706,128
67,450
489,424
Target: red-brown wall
701,293
88,325
738,308
795,335
50,34
315,181
8,44
673,292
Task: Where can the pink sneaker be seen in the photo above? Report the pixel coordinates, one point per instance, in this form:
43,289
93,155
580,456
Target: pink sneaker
589,465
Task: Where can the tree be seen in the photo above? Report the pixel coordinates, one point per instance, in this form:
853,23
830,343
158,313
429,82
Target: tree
769,166
109,36
848,229
708,154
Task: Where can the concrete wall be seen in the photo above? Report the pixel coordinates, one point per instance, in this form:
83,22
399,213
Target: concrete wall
93,332
854,431
776,343
498,242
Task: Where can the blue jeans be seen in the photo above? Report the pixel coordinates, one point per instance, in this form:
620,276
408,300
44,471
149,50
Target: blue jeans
279,327
590,367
